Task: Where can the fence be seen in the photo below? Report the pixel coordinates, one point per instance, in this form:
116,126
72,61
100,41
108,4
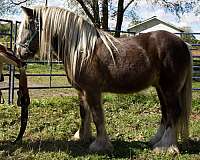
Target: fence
13,34
11,80
11,67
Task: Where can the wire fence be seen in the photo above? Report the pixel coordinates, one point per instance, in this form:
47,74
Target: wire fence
12,34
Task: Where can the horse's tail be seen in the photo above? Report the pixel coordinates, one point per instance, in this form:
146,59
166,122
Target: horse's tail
186,103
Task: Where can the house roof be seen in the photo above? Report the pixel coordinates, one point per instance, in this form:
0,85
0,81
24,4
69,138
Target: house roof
154,18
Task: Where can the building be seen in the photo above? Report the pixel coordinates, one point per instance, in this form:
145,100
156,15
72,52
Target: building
153,24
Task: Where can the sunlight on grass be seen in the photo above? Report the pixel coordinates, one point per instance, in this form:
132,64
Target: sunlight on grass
130,121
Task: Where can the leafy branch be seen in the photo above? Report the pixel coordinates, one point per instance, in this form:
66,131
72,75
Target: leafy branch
18,3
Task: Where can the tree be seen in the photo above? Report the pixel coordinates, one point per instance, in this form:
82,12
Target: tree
99,11
7,7
188,36
179,7
13,6
91,9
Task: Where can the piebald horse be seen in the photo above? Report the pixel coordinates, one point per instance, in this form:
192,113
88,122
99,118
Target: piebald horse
96,62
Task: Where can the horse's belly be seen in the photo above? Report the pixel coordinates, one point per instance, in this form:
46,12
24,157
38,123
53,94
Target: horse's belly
126,83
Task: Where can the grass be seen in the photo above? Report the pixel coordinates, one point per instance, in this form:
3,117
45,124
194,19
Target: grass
54,118
46,69
130,121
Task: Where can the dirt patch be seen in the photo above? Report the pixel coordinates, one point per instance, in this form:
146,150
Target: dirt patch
46,93
195,117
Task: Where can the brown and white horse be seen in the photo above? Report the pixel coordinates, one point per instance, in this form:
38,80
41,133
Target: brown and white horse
96,62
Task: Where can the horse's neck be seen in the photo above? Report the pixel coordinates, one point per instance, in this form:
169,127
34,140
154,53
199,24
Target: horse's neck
58,50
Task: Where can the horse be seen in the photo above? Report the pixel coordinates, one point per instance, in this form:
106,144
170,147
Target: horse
96,62
8,57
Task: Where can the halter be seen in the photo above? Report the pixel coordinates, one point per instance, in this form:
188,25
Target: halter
27,43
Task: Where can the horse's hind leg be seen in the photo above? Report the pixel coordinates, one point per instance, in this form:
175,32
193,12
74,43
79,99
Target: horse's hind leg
156,138
84,133
168,142
102,142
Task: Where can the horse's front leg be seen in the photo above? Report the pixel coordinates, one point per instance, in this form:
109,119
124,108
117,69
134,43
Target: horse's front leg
102,142
84,133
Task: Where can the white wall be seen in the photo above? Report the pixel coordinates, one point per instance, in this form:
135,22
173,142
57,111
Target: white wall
160,27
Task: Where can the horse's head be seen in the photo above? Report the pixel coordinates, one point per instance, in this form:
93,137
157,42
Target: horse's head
28,38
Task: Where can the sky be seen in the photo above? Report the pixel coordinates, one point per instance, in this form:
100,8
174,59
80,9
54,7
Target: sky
144,10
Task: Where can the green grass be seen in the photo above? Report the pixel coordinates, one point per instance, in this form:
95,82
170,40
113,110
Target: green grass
54,118
46,69
130,121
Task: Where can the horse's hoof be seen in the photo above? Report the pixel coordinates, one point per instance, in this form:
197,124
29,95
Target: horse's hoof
153,141
76,136
171,150
84,139
101,146
157,137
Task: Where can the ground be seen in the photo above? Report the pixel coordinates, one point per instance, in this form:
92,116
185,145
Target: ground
54,118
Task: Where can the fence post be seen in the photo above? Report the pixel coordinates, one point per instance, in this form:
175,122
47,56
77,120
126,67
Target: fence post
11,71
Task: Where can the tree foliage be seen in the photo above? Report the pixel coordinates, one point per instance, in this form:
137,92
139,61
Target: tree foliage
4,29
99,11
179,7
7,7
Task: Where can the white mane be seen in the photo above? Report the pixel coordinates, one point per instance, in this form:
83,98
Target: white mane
76,35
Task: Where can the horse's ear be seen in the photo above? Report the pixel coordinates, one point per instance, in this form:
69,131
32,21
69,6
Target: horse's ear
28,11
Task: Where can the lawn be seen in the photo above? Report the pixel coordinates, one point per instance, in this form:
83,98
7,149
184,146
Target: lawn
54,118
130,121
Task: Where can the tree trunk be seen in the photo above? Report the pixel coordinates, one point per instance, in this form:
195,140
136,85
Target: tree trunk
95,8
105,15
120,14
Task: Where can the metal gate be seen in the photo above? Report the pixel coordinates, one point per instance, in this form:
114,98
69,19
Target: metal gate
11,82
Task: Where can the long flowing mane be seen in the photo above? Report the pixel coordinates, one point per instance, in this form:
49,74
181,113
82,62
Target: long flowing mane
76,36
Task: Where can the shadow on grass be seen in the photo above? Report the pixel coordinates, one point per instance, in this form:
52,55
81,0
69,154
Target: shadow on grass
122,149
191,147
